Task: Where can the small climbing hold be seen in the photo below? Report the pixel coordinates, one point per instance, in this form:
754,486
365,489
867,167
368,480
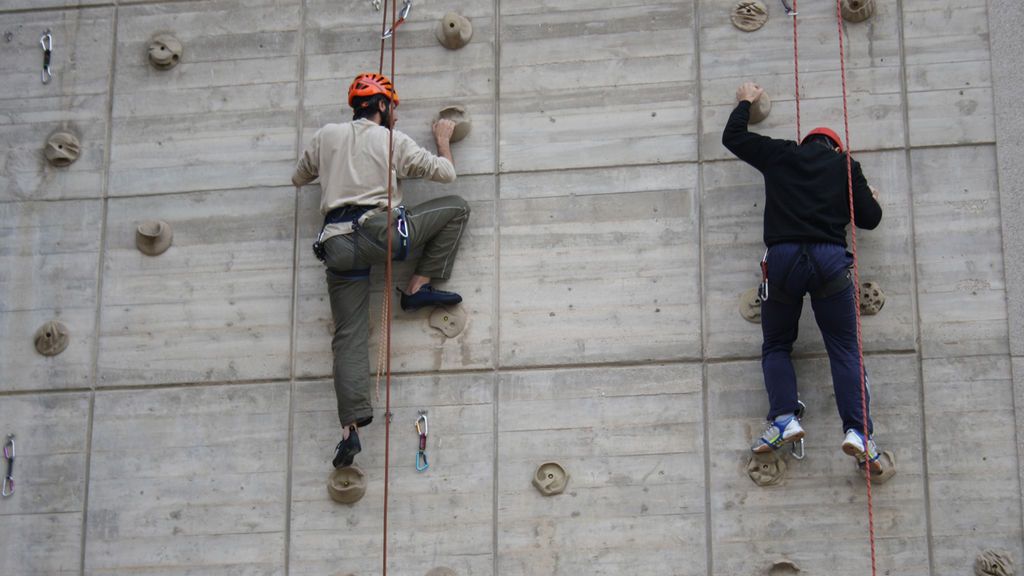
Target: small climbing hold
872,298
450,320
52,338
993,563
347,485
550,478
463,123
783,568
888,462
760,109
857,10
62,148
164,51
766,469
454,31
153,237
750,306
749,15
442,571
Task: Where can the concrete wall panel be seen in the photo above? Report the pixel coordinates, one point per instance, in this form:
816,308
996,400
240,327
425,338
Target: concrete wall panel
592,258
216,306
440,517
817,517
632,441
74,100
49,255
959,252
972,473
189,477
224,117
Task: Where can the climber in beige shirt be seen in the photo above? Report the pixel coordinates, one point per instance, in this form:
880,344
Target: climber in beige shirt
351,161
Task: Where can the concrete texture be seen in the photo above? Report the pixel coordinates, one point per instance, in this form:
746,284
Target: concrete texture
189,426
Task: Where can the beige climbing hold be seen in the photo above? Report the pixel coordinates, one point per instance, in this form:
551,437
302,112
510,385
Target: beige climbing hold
766,469
347,485
164,51
857,10
872,298
442,571
993,563
454,31
749,15
153,237
550,478
52,338
463,123
760,109
750,306
449,320
783,568
888,461
62,148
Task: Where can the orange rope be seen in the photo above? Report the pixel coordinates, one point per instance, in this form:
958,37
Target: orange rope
387,285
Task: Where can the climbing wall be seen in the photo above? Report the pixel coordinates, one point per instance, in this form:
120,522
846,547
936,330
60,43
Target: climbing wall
188,425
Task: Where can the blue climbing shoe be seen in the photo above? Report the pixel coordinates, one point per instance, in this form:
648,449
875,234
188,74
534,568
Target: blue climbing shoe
855,446
345,452
778,432
428,296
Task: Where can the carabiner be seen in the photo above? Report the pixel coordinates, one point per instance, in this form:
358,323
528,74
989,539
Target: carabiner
46,41
9,454
403,226
422,429
402,15
425,428
421,461
376,5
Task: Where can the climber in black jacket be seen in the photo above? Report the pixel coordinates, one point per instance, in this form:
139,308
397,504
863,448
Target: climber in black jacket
807,210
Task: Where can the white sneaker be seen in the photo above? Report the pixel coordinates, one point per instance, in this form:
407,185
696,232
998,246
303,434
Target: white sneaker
777,433
854,445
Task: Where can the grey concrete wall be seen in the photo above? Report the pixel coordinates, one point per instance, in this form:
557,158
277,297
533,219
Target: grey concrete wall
188,427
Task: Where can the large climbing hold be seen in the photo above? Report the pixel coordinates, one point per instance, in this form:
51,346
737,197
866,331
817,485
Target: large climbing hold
993,563
454,31
347,485
760,109
857,10
450,320
768,469
52,338
550,478
783,567
749,15
872,298
153,237
750,306
458,115
164,51
62,148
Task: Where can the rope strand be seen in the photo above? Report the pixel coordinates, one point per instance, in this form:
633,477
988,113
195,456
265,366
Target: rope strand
796,71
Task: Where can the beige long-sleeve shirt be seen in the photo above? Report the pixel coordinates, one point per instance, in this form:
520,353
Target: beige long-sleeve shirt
351,160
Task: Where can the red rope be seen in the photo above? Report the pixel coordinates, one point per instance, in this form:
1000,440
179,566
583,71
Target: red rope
796,72
388,282
856,291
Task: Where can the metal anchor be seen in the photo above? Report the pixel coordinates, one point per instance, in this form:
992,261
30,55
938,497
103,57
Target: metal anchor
402,15
9,454
46,41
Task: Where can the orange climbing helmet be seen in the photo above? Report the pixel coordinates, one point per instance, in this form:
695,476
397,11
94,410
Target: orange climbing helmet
826,132
371,84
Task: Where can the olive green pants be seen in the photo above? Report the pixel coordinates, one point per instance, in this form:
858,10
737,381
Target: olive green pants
436,227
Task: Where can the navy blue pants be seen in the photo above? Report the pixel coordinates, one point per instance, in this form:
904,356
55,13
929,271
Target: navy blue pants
798,269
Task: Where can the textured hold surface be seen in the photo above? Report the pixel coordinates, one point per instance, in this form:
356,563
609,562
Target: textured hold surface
451,321
454,31
550,478
888,461
52,338
993,563
768,469
783,568
164,51
62,148
458,115
857,10
760,109
872,298
347,485
750,306
153,237
749,15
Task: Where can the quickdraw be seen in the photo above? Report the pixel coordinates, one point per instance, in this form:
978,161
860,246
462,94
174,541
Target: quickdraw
46,41
9,454
422,428
401,19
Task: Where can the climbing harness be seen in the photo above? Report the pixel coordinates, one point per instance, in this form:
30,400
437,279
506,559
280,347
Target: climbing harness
422,427
46,41
8,484
831,287
401,20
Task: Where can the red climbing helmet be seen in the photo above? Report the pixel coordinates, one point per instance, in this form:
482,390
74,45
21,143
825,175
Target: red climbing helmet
371,84
828,133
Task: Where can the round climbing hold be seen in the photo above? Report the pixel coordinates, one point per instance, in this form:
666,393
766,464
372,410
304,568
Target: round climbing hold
164,51
550,479
857,10
441,571
749,15
760,109
458,115
347,485
153,237
872,298
62,148
888,462
766,469
783,567
450,320
993,563
750,306
454,31
52,338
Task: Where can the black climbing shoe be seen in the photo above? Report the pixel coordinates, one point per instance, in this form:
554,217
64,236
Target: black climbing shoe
345,452
428,296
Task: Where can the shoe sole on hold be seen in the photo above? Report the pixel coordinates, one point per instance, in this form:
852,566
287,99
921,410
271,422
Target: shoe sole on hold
861,455
766,448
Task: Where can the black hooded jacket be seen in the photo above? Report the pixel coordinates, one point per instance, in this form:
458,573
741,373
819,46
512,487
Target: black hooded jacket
806,189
